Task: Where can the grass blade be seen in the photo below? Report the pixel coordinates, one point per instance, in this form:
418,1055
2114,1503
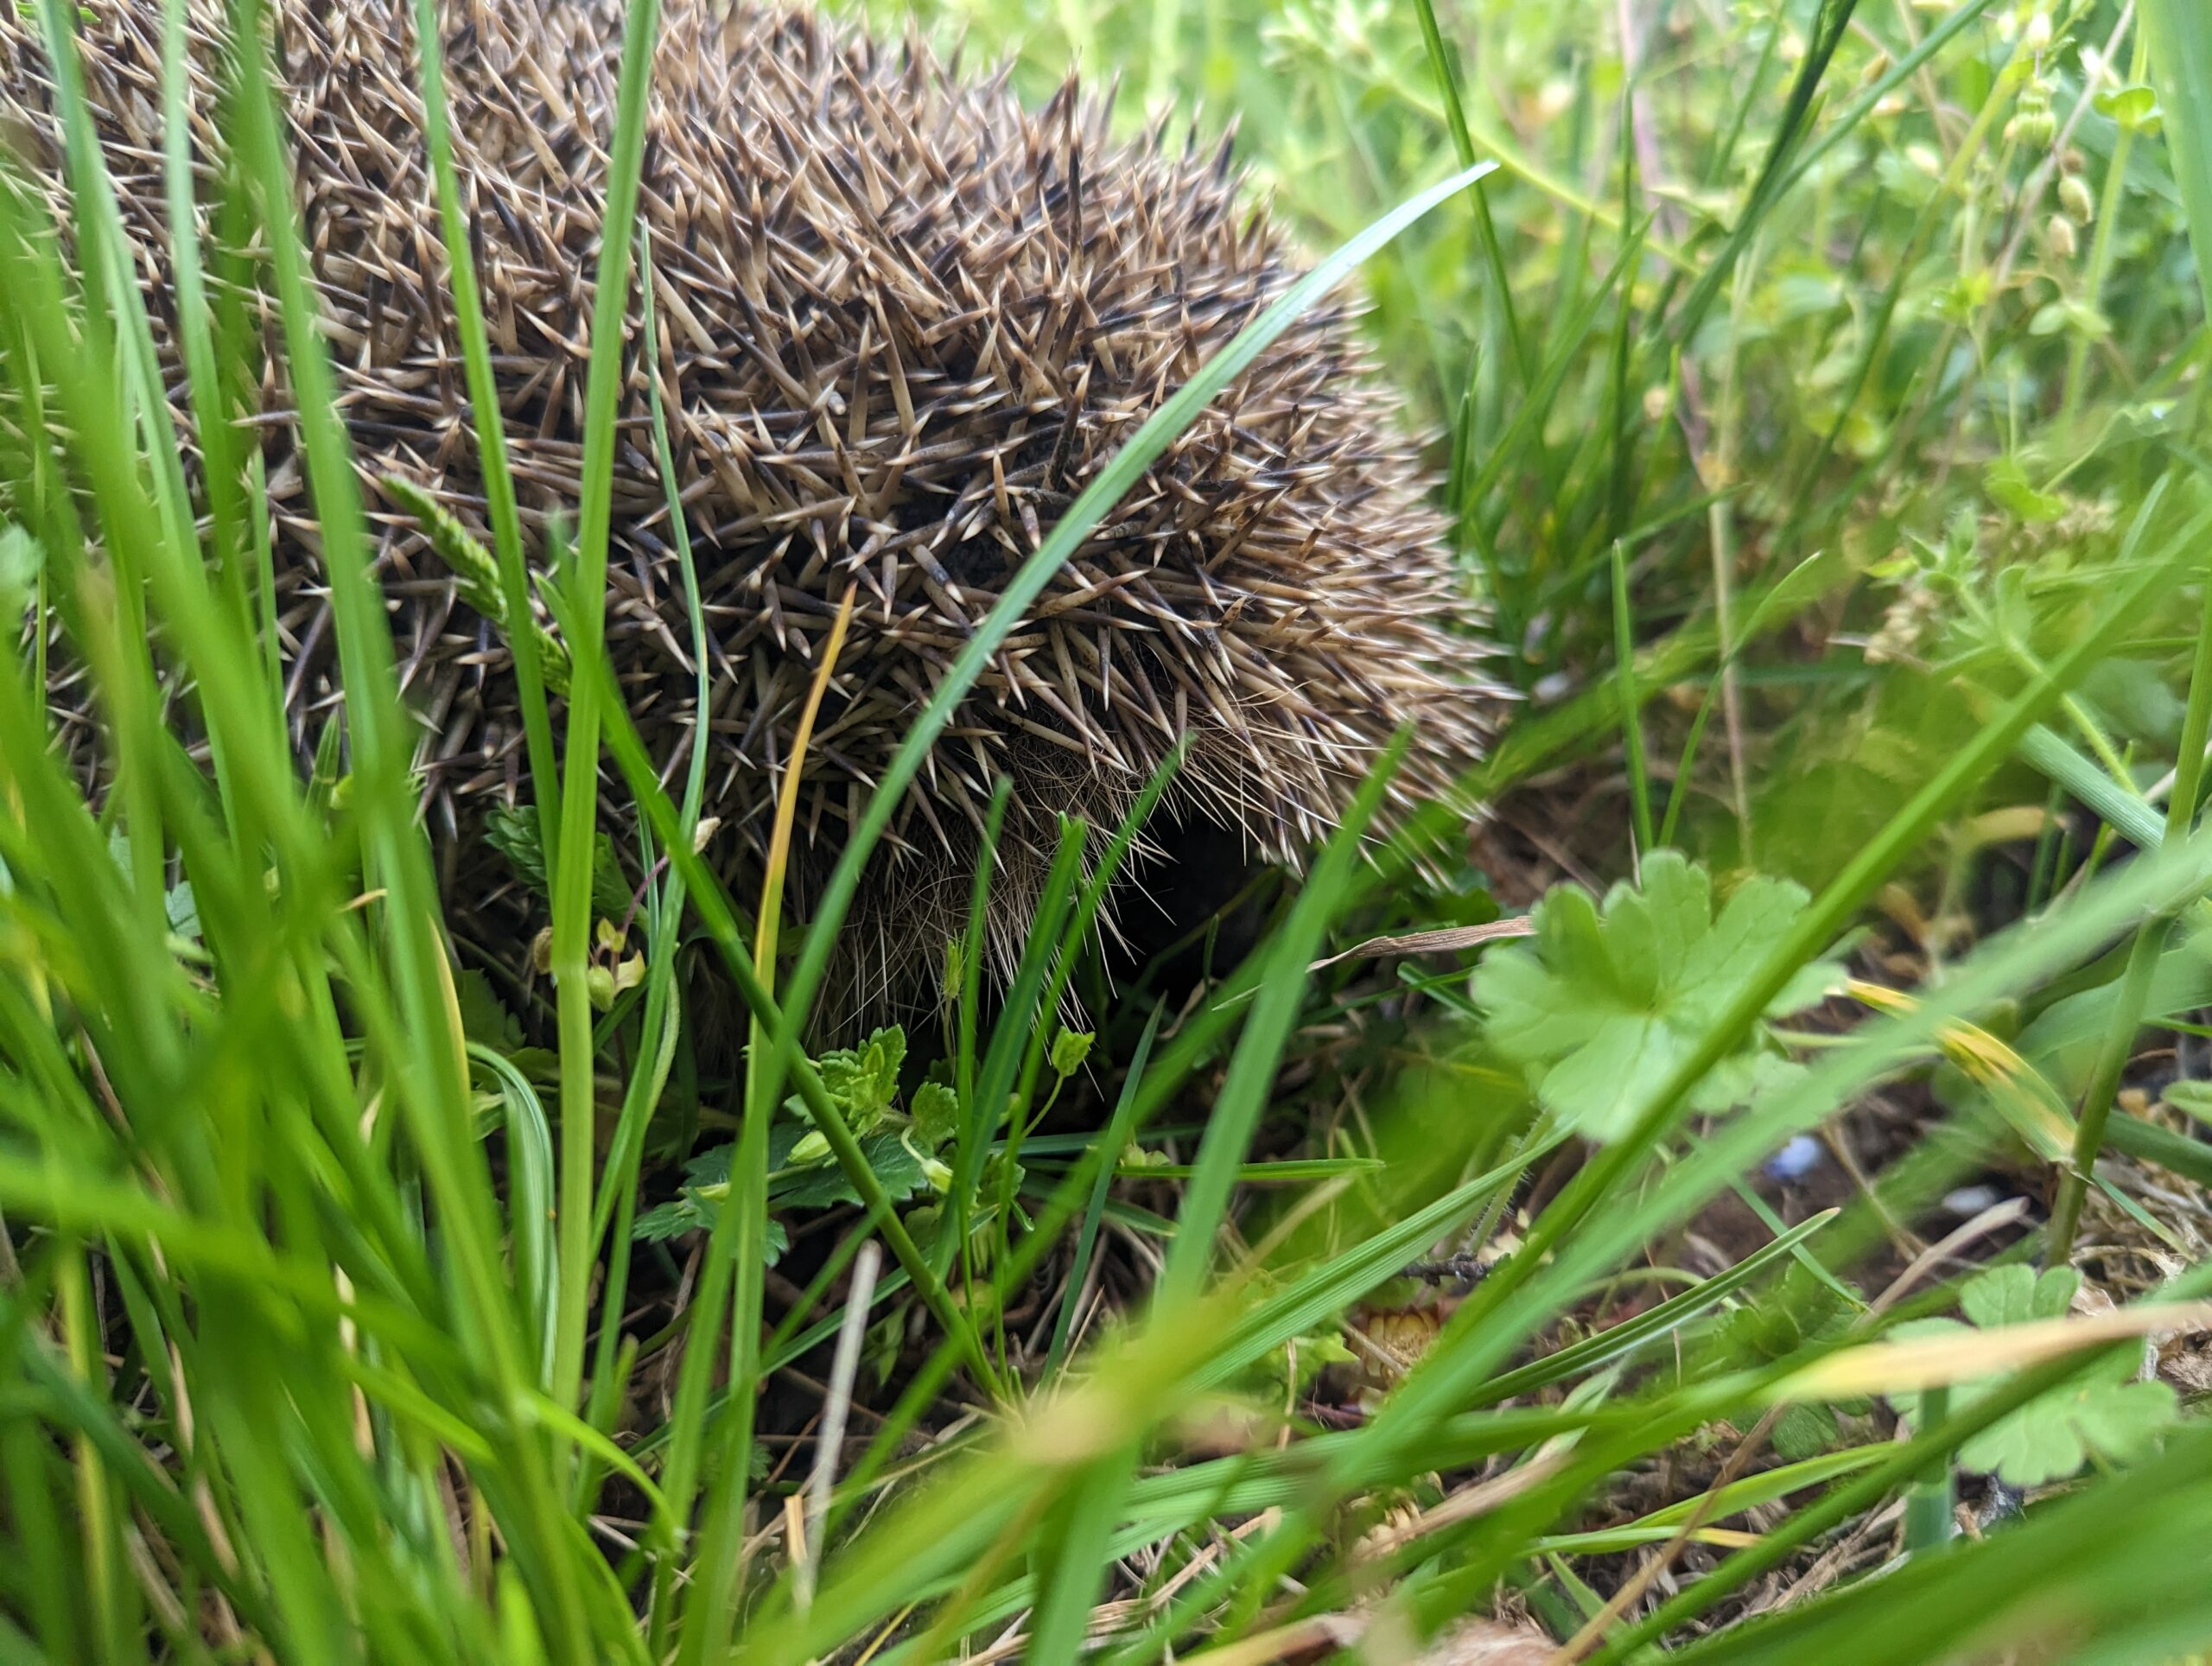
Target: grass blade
491,429
1455,118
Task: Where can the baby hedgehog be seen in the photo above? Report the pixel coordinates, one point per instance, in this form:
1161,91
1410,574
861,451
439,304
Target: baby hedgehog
902,321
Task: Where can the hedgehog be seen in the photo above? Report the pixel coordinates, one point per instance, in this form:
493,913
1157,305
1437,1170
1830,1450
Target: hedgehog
902,318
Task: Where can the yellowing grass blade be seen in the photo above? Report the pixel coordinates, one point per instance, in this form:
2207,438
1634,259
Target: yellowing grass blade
1937,1362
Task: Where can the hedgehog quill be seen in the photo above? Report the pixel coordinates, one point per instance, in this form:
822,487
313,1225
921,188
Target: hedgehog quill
902,320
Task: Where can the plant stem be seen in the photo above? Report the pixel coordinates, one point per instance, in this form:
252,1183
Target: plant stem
1928,1523
1631,708
2182,60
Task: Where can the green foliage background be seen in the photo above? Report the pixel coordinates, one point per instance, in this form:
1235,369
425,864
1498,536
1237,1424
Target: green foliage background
1819,389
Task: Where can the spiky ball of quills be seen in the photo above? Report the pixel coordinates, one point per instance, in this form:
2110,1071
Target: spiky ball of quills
902,321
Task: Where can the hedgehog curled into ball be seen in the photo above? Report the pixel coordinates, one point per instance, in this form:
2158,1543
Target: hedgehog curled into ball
902,321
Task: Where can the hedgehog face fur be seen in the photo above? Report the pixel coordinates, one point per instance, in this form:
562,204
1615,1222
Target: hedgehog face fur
902,321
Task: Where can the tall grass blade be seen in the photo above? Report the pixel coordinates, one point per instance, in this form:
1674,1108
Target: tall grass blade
572,868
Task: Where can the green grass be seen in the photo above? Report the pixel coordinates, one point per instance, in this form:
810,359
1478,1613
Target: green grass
1818,393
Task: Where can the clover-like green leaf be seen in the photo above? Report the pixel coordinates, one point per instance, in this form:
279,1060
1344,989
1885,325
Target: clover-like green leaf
2009,487
802,1172
513,832
2106,1413
697,1205
182,908
936,1109
2051,1437
897,1169
1599,1004
2134,107
484,1016
1803,1432
21,559
864,1080
2019,1295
